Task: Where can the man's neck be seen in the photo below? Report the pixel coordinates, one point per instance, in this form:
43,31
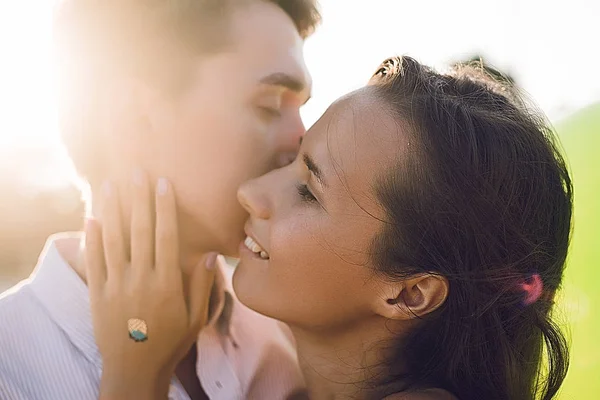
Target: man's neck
346,364
190,253
73,252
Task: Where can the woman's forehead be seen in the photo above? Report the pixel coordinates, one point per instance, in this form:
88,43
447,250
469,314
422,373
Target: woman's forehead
361,131
354,144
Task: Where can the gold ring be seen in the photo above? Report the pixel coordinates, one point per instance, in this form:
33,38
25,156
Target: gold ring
138,329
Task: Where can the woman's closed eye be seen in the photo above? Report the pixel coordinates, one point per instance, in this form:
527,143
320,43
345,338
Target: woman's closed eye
305,193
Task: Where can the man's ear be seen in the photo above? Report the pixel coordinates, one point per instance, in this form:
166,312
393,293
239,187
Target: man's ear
414,297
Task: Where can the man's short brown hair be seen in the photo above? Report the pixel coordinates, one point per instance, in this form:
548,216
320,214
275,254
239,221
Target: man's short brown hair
118,34
97,40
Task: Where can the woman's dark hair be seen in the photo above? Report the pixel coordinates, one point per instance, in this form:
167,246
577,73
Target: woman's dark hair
484,199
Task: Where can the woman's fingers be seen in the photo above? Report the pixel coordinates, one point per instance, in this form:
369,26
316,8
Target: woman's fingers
142,223
112,233
167,242
94,258
167,259
201,283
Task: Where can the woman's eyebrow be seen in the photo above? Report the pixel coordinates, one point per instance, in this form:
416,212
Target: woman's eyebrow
314,168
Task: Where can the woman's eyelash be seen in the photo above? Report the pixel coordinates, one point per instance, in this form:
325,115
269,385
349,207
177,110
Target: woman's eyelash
305,193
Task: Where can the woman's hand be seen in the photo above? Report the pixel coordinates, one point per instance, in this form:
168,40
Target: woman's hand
139,361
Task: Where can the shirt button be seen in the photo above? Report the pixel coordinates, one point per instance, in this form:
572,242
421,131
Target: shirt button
172,392
219,385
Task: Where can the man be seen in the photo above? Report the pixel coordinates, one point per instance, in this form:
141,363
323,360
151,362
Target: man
207,94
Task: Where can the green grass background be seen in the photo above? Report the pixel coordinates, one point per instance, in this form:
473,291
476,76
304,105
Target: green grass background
580,299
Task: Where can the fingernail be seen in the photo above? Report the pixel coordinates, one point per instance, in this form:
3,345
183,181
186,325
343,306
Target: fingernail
107,189
137,177
88,224
162,186
211,261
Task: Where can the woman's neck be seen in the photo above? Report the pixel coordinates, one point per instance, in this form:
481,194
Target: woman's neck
346,364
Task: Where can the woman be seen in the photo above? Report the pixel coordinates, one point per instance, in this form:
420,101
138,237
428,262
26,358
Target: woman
414,248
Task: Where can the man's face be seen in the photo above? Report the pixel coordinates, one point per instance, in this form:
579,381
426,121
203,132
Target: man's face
238,119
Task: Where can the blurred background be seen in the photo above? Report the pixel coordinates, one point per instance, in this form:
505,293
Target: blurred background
550,48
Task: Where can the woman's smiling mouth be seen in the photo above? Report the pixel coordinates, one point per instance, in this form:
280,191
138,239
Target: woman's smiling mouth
256,248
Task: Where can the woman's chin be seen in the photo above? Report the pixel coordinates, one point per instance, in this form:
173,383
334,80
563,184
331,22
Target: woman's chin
249,282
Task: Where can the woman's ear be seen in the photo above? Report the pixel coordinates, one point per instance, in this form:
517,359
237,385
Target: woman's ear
414,297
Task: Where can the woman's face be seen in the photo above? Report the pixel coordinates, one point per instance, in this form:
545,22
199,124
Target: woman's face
314,220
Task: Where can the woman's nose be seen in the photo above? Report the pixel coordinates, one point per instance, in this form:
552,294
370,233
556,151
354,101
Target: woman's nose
254,199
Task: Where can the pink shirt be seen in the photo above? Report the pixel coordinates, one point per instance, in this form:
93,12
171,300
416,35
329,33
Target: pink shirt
48,348
251,356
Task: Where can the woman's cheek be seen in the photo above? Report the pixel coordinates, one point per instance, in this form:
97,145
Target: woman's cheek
295,239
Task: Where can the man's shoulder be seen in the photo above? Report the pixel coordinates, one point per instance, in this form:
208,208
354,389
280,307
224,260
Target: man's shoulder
16,301
20,312
22,327
25,323
37,353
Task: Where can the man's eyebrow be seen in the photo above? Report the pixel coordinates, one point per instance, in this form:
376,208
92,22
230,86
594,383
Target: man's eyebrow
314,168
285,80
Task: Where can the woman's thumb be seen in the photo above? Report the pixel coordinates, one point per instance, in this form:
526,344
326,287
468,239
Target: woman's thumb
201,283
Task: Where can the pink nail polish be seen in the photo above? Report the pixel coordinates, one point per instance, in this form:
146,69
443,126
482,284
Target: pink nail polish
107,189
162,186
88,224
138,177
211,261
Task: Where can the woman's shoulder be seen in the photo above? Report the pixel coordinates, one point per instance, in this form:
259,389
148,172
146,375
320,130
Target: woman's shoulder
428,394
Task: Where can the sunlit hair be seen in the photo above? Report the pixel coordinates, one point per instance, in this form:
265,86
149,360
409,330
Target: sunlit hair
152,40
484,199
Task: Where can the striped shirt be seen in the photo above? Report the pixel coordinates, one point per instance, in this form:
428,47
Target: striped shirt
48,352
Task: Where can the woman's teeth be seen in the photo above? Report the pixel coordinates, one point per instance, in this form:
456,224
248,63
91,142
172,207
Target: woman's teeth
255,248
252,245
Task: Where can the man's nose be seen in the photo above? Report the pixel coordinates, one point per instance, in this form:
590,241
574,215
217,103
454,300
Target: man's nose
284,159
291,143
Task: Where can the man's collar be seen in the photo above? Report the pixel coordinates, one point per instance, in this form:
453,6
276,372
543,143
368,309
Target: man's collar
66,298
221,300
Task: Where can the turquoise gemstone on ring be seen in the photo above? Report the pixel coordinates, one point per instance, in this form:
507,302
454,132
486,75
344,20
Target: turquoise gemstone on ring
138,336
138,329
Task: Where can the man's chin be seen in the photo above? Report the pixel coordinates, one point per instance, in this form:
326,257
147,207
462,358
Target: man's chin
232,248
